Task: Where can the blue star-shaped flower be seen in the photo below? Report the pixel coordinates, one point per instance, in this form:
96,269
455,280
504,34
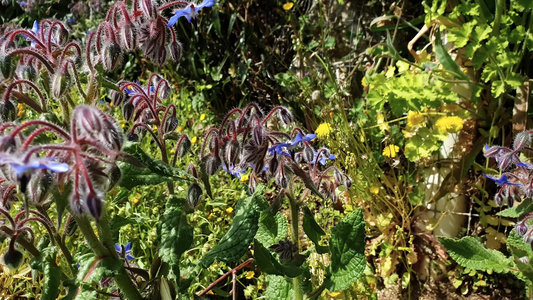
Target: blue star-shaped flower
300,138
22,168
323,158
190,12
124,251
503,180
278,148
233,170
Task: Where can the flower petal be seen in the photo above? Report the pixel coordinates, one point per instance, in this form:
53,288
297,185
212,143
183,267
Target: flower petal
205,3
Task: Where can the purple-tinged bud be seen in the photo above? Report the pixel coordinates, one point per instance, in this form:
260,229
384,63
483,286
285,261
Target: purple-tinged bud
505,161
521,228
127,111
112,56
273,163
522,139
259,135
191,169
94,205
116,97
28,72
252,184
171,123
75,204
213,141
8,112
308,155
185,146
61,36
24,179
132,137
298,157
498,198
148,8
212,164
194,194
339,178
281,179
175,50
46,181
7,68
12,259
231,151
60,84
286,116
128,38
347,181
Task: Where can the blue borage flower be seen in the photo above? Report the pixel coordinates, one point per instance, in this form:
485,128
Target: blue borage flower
322,160
233,170
124,251
23,168
35,29
503,180
278,148
190,12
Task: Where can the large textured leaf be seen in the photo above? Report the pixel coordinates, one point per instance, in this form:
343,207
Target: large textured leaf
278,287
154,172
176,233
268,263
46,263
347,246
241,233
272,229
519,249
313,230
517,211
470,253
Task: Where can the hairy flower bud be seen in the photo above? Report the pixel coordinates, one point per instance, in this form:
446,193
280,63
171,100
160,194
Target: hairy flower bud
8,111
231,152
61,36
127,36
281,179
12,259
28,72
7,68
212,164
94,205
252,184
171,123
308,154
191,169
259,135
175,50
127,111
339,178
521,228
522,139
111,56
347,181
194,194
60,84
116,97
185,145
132,137
286,116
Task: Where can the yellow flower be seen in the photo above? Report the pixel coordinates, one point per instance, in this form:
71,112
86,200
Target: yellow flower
210,216
323,130
334,294
172,151
244,178
202,117
250,274
414,118
21,110
363,81
154,127
383,126
288,5
194,140
391,151
180,128
449,124
374,190
229,210
110,104
259,286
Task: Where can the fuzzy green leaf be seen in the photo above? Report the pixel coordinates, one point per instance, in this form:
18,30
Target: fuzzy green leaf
313,230
470,253
516,212
176,233
268,263
155,171
62,199
278,287
347,246
241,233
272,229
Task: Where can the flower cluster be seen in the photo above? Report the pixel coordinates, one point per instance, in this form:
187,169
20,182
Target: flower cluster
516,181
244,141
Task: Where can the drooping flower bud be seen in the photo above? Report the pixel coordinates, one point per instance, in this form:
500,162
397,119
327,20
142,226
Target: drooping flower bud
175,50
127,36
132,137
60,84
116,97
12,259
521,228
184,146
231,151
28,72
273,163
308,155
212,164
339,178
61,35
522,139
259,135
127,111
281,179
171,123
7,68
286,116
94,205
111,56
194,194
8,111
191,169
252,184
347,181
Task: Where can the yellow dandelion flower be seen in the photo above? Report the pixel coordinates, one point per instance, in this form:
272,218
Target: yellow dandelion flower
414,118
229,210
202,117
323,130
288,5
449,124
250,274
180,128
374,190
391,151
244,178
194,140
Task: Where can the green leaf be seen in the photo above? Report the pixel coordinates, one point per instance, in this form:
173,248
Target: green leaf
514,80
470,253
176,233
62,199
272,228
278,287
516,212
347,246
268,263
446,60
497,88
241,233
313,230
155,171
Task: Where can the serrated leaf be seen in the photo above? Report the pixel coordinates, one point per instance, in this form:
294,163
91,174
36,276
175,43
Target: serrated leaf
517,246
470,253
235,242
347,246
313,230
272,228
268,263
176,233
155,171
516,212
278,287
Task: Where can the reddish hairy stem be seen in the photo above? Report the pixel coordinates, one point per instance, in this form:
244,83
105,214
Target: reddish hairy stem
237,268
174,3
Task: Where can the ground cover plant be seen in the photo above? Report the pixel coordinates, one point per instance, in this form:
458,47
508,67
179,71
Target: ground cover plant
265,149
